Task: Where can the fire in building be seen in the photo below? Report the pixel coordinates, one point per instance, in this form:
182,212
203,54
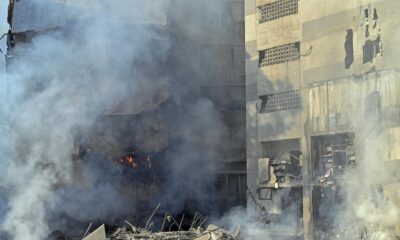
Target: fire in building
201,119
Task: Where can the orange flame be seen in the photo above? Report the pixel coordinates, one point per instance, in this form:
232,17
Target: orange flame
129,160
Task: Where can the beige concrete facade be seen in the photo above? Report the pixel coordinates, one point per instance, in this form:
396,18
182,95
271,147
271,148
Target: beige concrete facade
347,78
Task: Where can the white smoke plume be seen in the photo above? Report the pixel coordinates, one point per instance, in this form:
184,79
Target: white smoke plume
366,202
65,80
370,206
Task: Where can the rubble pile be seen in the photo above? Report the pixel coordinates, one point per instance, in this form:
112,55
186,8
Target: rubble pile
212,232
195,231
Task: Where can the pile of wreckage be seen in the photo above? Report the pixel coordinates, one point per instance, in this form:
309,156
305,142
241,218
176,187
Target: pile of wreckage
131,233
195,232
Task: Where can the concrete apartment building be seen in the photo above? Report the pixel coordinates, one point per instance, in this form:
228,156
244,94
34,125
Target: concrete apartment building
322,92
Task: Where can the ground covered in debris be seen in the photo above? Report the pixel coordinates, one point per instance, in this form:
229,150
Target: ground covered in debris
211,232
170,228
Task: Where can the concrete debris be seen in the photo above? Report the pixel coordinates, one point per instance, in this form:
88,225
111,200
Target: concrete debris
98,234
195,232
212,232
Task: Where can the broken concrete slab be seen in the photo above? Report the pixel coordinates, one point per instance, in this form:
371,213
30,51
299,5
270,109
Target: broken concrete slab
98,234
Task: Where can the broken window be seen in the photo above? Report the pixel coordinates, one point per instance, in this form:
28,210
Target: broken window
371,49
280,163
333,155
375,18
279,54
333,158
348,47
278,9
280,101
375,14
368,51
286,166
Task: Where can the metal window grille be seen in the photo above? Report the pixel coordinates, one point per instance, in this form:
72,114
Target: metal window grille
280,54
280,101
278,9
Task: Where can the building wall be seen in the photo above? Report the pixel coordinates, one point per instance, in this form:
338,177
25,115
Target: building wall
346,59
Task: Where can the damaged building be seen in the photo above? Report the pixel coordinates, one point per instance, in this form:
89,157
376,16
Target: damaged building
322,91
308,95
137,137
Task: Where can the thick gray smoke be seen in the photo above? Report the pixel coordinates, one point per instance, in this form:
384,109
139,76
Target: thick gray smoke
64,81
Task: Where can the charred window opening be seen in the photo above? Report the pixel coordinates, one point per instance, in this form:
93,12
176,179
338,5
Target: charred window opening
348,46
279,54
375,18
375,14
366,13
278,9
368,51
295,168
280,101
286,166
373,42
332,156
371,49
280,164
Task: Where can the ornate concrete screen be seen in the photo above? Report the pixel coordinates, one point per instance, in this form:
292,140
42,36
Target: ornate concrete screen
278,9
280,54
280,101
